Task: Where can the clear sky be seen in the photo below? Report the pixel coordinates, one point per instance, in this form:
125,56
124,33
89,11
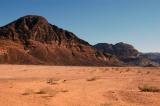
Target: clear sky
132,21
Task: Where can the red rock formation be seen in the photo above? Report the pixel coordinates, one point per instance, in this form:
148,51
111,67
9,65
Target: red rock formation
32,40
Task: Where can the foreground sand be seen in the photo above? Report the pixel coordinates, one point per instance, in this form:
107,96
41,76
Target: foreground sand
22,85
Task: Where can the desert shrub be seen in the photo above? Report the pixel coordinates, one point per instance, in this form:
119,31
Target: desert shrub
64,90
105,104
28,92
128,69
147,88
50,81
91,79
47,90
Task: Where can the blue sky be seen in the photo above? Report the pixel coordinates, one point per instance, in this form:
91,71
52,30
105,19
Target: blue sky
132,21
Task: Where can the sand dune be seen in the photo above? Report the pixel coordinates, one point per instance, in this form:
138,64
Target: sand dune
29,85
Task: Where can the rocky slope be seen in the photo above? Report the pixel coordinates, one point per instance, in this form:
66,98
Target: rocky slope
126,53
153,56
32,40
121,50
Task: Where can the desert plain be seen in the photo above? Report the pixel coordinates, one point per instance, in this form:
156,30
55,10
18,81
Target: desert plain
35,85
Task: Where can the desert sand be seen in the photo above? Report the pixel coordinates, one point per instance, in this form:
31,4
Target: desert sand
33,85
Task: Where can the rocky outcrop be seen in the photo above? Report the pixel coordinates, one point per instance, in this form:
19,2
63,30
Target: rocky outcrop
126,53
152,56
32,40
121,50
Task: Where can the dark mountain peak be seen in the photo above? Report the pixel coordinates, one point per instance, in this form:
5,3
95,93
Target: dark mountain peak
37,28
31,39
34,17
29,22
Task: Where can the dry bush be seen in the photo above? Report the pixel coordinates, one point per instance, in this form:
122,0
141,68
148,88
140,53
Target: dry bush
92,79
128,69
28,92
148,72
139,71
105,104
51,81
64,90
105,70
47,90
117,69
147,88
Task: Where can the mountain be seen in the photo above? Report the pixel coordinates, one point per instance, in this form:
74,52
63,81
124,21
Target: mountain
32,40
121,50
153,56
126,53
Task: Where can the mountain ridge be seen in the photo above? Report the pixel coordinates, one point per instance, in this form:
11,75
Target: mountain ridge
32,40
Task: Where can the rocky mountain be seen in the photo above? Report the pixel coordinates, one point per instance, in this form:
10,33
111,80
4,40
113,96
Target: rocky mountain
153,56
32,40
126,53
121,50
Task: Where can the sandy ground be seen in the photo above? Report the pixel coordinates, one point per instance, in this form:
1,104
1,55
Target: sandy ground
29,85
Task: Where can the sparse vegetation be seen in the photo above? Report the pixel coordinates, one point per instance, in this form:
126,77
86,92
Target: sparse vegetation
51,81
28,92
148,72
147,88
105,104
47,90
128,69
120,71
64,90
139,71
116,69
92,79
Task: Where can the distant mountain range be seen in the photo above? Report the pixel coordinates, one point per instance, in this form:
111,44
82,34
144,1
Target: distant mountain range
32,40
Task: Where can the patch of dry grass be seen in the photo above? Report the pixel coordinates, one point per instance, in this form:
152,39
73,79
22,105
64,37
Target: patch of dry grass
28,92
148,72
128,69
64,90
147,88
105,104
92,79
51,81
47,90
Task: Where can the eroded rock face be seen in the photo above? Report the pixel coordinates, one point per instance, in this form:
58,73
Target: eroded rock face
152,56
32,40
126,53
121,50
37,28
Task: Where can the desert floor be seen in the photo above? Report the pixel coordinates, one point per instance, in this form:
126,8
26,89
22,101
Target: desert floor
30,85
